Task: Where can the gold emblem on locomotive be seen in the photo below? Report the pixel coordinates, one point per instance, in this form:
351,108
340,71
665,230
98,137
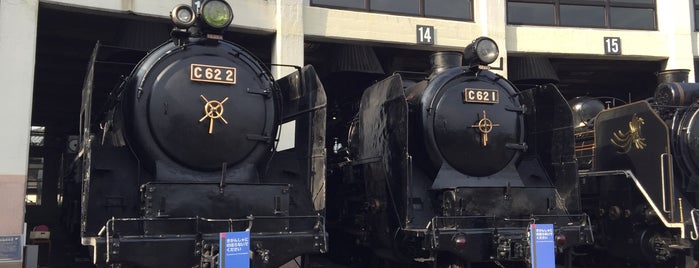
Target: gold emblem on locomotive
213,109
631,138
485,126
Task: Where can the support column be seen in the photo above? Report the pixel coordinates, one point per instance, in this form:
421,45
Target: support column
675,22
490,14
288,49
288,42
18,29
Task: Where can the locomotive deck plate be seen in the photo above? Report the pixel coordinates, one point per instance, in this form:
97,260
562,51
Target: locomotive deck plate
212,74
478,95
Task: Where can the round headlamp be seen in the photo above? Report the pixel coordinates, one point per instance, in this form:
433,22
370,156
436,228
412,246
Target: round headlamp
183,16
482,51
216,14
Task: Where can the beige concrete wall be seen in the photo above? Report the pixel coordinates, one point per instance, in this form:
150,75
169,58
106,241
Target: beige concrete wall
388,29
18,21
490,15
676,24
288,42
253,15
12,204
400,31
675,41
583,42
11,265
12,208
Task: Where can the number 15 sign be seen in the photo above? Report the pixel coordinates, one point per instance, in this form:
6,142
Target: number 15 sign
612,46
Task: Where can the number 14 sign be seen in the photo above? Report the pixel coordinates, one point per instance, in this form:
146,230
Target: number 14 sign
425,35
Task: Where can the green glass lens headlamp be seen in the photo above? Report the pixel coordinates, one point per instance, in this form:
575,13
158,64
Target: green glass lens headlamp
215,14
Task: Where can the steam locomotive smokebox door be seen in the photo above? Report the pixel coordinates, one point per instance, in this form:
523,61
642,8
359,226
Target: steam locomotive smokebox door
473,126
200,107
633,137
206,200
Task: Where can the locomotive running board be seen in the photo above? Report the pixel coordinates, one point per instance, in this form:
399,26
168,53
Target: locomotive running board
684,206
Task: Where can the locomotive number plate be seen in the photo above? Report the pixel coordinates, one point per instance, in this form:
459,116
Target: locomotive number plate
478,95
212,74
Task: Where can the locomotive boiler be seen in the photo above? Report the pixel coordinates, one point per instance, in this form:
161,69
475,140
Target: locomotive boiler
184,151
639,186
457,169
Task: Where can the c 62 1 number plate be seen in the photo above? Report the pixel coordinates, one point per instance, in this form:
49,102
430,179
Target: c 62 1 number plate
212,74
478,95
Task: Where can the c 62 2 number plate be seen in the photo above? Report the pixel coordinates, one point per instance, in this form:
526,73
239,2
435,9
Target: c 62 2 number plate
212,74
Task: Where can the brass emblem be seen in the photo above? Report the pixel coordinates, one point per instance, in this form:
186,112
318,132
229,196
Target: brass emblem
631,138
213,109
485,126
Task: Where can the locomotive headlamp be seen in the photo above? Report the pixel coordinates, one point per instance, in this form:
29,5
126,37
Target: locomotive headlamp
216,14
183,16
482,51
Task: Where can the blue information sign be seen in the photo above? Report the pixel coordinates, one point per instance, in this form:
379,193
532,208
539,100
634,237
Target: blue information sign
234,250
542,246
10,248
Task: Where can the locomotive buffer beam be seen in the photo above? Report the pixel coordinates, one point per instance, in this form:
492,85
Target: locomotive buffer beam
457,235
269,248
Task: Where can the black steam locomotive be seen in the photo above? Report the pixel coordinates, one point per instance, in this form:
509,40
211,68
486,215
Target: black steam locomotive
457,168
185,149
639,184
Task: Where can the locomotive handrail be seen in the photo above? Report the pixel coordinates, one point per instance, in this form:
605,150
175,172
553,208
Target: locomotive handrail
433,227
604,173
302,84
662,182
695,233
312,109
110,225
532,218
113,247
